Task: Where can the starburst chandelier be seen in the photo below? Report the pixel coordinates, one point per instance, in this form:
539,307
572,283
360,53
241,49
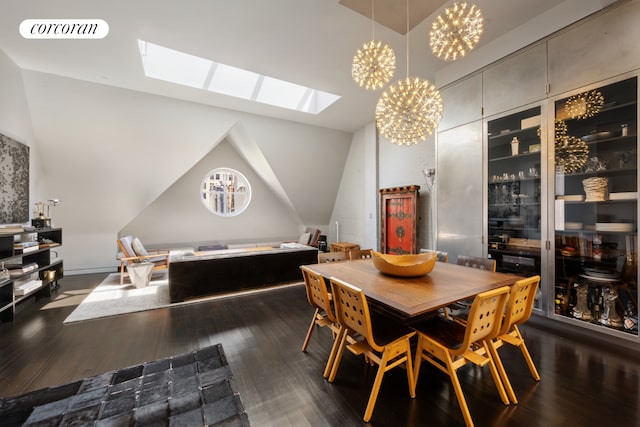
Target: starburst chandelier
409,109
373,65
456,32
571,153
560,130
584,105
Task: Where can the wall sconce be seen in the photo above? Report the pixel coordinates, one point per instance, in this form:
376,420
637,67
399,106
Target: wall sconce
429,176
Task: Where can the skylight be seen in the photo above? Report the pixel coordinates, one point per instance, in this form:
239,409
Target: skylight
181,68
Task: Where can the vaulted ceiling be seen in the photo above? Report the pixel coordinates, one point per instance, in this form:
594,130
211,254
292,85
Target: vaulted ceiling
308,42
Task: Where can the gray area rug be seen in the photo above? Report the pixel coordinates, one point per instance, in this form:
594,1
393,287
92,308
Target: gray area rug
192,389
110,298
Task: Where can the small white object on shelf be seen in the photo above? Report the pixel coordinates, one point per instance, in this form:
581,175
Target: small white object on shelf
630,195
530,122
571,197
614,226
28,287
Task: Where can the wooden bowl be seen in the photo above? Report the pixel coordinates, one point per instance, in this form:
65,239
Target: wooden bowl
412,265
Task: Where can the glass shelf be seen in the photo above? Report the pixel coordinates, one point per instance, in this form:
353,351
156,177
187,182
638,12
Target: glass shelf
595,271
514,193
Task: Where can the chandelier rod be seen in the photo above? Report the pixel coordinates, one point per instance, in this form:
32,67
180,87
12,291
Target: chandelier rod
373,19
407,39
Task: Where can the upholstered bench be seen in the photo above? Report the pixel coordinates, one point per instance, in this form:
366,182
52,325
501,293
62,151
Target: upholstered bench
199,274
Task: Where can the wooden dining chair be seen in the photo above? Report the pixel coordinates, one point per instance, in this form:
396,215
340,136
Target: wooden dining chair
460,309
383,341
449,345
518,311
477,262
441,256
319,298
359,254
332,257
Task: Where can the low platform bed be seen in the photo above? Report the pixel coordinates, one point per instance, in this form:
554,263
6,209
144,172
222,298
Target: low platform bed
200,274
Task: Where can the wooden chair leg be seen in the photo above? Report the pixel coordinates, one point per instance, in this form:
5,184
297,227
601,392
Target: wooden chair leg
527,356
310,331
496,375
458,390
338,356
409,367
382,368
503,374
416,363
334,351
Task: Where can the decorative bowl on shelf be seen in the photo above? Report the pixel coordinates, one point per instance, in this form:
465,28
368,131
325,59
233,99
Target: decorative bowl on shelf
410,265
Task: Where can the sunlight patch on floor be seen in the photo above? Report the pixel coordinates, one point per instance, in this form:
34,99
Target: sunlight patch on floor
68,299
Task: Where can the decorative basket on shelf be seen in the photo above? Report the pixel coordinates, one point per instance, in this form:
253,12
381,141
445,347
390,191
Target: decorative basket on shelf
595,188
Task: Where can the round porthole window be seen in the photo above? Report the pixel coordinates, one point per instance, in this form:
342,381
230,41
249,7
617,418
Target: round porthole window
225,192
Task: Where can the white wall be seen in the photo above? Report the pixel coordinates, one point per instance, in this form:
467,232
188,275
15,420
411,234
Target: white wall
403,165
355,209
15,120
110,153
159,224
375,163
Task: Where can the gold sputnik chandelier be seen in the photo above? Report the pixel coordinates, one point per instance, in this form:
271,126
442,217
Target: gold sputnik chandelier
409,109
456,32
584,105
373,65
571,153
560,130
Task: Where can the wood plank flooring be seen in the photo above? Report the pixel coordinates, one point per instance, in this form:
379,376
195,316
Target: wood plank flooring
584,383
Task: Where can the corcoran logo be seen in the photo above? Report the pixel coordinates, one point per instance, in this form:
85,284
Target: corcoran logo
64,29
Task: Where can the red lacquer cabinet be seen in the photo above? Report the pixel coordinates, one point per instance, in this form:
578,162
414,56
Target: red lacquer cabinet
399,220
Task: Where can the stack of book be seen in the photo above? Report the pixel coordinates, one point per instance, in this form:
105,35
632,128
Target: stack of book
16,270
25,247
26,285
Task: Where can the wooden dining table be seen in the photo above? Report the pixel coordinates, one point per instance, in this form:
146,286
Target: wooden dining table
410,299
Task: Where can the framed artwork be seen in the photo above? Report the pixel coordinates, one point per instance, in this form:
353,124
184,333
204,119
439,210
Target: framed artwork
14,181
399,220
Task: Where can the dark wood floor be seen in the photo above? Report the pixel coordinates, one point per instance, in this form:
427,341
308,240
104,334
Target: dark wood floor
583,383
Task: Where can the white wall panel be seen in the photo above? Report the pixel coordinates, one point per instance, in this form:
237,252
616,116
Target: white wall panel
518,80
595,50
462,102
459,190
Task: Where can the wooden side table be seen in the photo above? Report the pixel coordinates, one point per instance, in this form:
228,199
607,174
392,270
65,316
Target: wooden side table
343,247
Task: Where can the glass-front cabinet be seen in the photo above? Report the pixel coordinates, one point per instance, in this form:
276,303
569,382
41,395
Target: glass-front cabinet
515,192
595,207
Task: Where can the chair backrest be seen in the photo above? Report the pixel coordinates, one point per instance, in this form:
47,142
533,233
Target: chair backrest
314,235
126,246
520,303
359,254
317,293
441,256
332,256
477,262
352,310
485,317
